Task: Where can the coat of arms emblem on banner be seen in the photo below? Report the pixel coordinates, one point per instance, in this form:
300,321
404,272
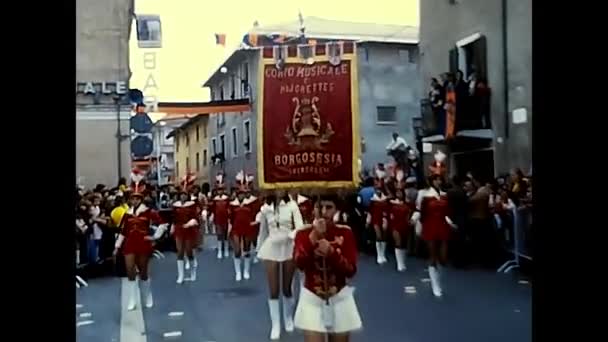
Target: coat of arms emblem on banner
306,129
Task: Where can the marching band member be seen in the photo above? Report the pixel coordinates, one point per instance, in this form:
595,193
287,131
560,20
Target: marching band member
281,217
192,190
185,215
219,208
327,253
434,225
242,219
377,216
399,223
255,203
137,246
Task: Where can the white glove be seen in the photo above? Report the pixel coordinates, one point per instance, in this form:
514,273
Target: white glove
119,241
191,223
368,219
418,228
415,217
292,234
160,231
452,224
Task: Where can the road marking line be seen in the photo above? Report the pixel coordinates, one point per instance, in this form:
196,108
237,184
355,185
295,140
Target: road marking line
172,334
410,289
85,315
78,306
176,314
524,282
132,327
425,280
79,324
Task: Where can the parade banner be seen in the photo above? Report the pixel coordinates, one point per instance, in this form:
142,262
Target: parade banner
308,120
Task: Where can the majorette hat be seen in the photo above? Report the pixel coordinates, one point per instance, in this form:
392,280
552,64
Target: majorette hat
241,182
188,180
379,174
219,181
137,175
249,179
438,166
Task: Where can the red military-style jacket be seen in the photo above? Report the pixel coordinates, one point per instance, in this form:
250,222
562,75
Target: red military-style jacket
326,276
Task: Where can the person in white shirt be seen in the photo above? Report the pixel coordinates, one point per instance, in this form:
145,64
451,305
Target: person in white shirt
398,149
281,218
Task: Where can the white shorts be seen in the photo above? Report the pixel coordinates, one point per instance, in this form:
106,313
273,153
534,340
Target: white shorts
310,310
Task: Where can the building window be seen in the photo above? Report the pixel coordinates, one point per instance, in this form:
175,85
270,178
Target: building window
214,146
222,143
187,164
247,135
233,93
149,31
177,169
470,55
198,162
187,136
205,157
205,130
212,94
198,127
176,143
235,147
387,115
221,92
245,79
366,54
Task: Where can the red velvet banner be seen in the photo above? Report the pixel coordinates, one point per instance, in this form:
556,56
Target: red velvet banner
307,125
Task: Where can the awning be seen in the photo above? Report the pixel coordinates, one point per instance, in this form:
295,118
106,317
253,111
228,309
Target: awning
221,106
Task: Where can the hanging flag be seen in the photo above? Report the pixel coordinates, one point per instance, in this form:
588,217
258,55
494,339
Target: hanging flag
220,39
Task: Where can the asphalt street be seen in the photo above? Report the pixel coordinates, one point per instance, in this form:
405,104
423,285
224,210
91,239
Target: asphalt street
477,306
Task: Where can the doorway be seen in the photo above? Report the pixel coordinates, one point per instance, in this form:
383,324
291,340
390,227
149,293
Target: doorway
479,162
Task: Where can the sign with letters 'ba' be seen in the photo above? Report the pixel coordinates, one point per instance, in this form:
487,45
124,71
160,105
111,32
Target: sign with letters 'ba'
308,129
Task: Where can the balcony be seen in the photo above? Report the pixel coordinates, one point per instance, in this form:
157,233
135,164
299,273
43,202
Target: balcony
472,119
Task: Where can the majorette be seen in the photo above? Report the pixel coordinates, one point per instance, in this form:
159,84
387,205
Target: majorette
134,239
185,224
218,206
242,232
399,179
434,225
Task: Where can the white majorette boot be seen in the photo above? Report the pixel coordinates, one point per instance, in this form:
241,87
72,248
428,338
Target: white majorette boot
378,252
435,286
146,294
180,271
193,270
219,249
237,269
226,250
247,267
132,293
275,319
400,257
288,304
383,251
187,264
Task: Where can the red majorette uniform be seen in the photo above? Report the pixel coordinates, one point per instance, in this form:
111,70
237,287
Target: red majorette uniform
185,228
326,303
432,218
242,219
134,239
377,216
399,221
306,208
219,206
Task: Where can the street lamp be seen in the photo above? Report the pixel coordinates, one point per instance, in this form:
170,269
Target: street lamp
224,70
